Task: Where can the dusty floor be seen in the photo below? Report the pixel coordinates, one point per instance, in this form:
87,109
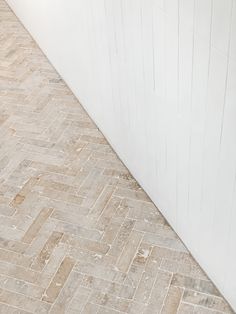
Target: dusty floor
77,233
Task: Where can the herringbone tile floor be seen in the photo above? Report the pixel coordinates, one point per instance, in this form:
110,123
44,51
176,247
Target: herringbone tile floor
78,234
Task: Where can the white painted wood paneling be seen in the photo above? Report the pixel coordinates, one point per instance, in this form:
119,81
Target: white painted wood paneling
159,78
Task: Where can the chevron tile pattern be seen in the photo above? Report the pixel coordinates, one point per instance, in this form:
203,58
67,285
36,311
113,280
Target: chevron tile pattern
78,234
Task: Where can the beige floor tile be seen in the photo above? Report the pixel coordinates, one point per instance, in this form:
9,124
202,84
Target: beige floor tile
58,280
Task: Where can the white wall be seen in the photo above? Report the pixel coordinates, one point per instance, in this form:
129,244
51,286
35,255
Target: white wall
159,78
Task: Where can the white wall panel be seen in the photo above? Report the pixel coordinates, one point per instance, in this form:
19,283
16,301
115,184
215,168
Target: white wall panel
159,79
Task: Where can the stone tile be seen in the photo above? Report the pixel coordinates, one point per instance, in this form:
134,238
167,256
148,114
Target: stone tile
147,281
13,246
36,226
186,309
18,272
59,280
202,310
41,260
157,240
107,272
159,292
199,285
129,251
136,307
6,210
67,293
136,195
110,233
79,230
120,290
21,286
14,258
110,301
76,219
189,269
54,262
4,308
172,300
122,237
108,213
20,197
143,254
83,243
102,201
23,302
79,300
104,310
91,309
134,276
205,300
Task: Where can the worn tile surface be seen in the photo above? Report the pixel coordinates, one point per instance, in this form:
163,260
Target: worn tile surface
77,233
